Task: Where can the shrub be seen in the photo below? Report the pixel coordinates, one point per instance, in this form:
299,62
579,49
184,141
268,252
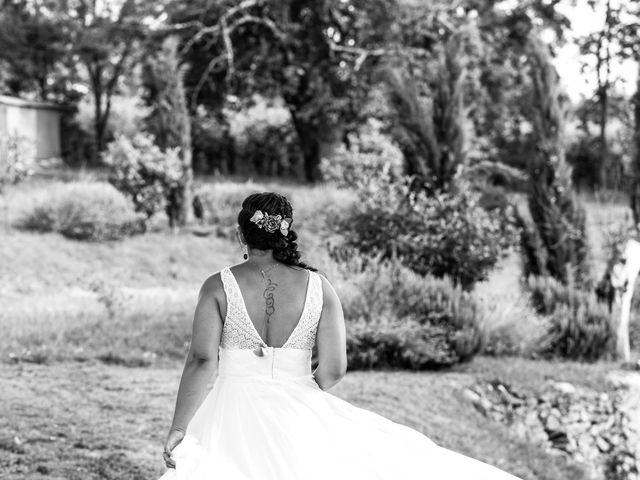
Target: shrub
17,159
264,138
84,211
213,149
584,332
221,203
439,234
399,319
580,327
511,326
371,155
143,172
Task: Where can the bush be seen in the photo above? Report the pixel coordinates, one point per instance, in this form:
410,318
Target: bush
17,159
399,319
222,202
143,172
580,326
213,148
84,211
511,326
579,333
443,234
371,155
264,139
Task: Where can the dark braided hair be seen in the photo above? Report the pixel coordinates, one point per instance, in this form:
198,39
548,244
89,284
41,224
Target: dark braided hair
285,249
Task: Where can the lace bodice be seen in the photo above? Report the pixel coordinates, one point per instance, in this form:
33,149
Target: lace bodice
239,332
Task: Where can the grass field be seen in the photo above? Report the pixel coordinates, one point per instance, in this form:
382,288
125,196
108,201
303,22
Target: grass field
89,420
93,336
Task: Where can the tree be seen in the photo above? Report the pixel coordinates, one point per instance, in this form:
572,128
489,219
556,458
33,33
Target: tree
169,122
434,138
555,243
107,38
33,46
315,54
601,46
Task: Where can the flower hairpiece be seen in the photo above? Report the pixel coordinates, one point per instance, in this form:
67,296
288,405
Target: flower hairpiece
271,223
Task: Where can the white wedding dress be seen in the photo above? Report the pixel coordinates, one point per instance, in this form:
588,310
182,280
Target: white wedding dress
267,419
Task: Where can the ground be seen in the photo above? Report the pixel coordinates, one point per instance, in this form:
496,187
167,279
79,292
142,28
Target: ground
93,335
90,420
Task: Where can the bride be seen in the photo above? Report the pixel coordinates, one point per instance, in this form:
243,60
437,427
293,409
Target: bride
249,406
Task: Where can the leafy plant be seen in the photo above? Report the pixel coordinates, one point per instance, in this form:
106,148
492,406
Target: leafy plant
143,172
84,211
399,319
371,154
580,327
442,234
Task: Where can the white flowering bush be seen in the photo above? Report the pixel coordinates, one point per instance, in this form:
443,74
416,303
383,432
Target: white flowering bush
143,172
17,159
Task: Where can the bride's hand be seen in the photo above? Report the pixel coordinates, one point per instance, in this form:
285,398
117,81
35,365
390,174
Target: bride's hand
173,439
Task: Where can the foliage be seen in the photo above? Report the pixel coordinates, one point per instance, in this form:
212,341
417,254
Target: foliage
84,211
305,51
17,159
580,327
371,154
399,319
221,206
143,172
169,122
264,140
554,242
510,325
33,47
126,117
434,137
213,146
439,234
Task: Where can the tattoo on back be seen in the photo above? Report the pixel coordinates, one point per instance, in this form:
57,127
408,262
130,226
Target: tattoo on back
269,301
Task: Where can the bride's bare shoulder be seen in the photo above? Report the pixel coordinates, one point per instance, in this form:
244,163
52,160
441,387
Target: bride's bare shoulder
212,287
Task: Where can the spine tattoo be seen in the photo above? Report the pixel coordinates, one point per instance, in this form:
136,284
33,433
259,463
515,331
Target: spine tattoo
269,302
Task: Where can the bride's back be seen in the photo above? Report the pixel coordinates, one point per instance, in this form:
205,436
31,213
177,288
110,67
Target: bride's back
274,298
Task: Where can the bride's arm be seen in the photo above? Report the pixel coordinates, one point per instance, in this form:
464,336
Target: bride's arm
201,363
331,340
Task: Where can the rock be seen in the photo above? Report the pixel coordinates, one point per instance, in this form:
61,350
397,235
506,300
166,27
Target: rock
564,387
602,444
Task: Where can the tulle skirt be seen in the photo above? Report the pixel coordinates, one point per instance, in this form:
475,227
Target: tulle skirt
273,422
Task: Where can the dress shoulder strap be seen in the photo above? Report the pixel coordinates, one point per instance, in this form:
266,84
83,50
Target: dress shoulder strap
237,331
304,335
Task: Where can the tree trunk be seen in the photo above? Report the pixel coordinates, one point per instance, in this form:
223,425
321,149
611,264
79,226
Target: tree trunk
604,147
635,163
186,206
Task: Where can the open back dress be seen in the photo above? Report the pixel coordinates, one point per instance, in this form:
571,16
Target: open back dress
267,419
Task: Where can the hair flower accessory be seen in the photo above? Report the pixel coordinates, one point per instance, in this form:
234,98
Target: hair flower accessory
271,223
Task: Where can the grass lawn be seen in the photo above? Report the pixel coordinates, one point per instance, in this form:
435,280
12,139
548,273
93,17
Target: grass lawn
81,421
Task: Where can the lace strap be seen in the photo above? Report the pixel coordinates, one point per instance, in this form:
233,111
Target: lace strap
231,292
304,335
238,331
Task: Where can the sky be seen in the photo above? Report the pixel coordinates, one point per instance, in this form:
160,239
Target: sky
585,20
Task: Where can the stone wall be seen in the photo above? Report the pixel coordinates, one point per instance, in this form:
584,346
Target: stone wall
599,430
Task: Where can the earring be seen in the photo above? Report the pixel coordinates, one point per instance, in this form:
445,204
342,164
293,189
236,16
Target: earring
246,250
